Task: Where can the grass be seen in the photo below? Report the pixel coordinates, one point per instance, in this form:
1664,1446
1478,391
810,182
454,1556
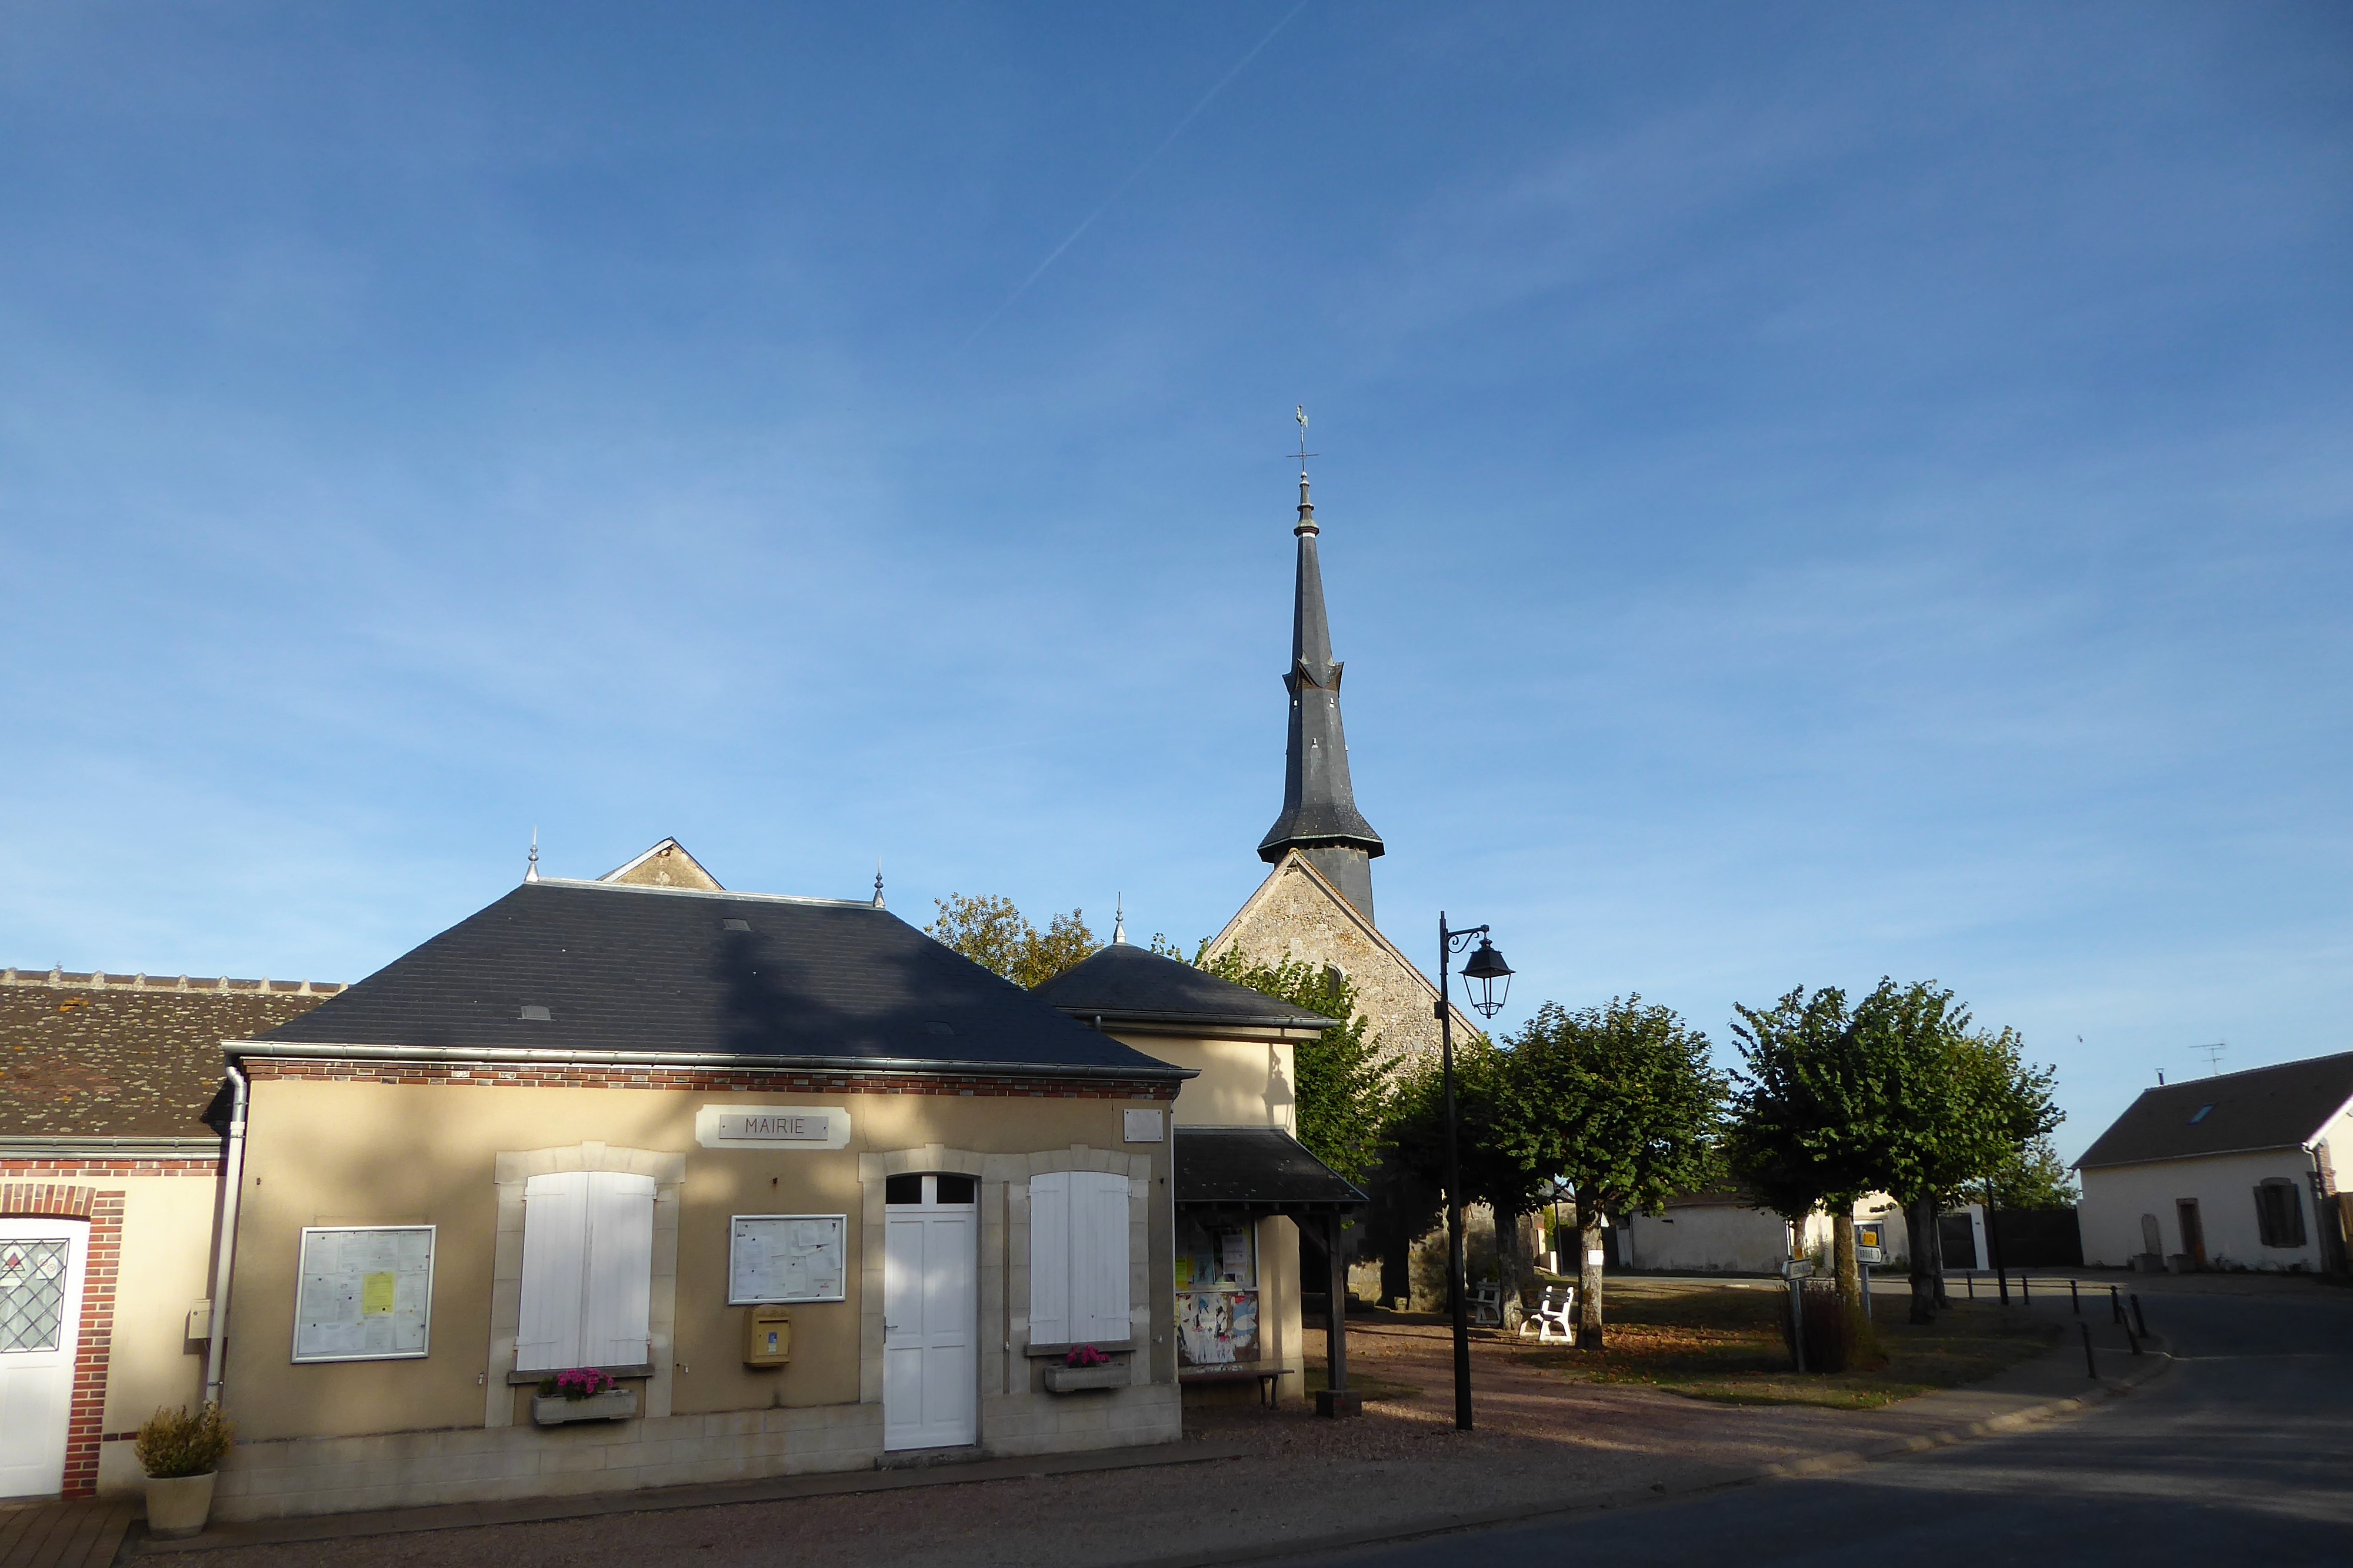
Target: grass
1724,1342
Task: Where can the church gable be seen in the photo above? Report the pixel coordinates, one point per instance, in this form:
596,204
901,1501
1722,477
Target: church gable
666,865
1298,912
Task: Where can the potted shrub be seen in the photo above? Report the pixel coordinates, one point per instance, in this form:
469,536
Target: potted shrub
582,1394
179,1451
1084,1366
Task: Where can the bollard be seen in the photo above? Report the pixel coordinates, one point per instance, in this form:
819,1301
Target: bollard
2025,1290
1973,1287
2074,1296
2116,1302
2090,1367
2137,1315
2130,1338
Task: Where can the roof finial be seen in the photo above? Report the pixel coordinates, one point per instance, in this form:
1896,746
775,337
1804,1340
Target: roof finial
1119,923
878,884
531,870
1306,508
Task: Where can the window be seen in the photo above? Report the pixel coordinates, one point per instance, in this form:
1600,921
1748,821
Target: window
1078,1258
587,1271
2279,1214
2203,1112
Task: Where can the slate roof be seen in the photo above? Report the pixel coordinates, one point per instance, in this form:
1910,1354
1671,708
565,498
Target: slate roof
120,1056
1260,1169
642,971
1123,984
2262,1108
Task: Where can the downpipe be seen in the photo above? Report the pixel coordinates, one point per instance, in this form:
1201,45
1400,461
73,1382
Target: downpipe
224,1255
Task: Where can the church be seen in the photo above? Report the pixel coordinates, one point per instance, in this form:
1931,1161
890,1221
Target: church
1315,905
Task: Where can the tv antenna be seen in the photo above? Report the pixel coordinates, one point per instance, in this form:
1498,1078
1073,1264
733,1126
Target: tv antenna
2213,1056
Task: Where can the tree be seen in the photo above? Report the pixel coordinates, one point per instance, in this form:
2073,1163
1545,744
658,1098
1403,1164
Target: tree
1342,1090
1933,1121
1805,1118
1620,1103
1493,1171
2036,1178
993,933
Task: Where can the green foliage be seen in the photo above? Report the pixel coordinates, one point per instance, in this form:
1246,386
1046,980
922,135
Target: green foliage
993,933
1804,1111
174,1443
1343,1092
1619,1101
1495,1171
2035,1177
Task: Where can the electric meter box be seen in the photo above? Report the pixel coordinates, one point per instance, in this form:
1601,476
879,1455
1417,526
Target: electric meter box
767,1336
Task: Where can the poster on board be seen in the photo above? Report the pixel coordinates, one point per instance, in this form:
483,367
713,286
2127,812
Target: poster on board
364,1292
786,1257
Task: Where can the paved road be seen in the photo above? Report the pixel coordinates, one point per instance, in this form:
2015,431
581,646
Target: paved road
2241,1454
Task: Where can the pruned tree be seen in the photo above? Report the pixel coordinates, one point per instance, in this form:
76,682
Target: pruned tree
1494,1170
994,933
1621,1104
1806,1118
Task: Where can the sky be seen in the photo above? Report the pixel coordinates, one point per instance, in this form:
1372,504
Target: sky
1807,493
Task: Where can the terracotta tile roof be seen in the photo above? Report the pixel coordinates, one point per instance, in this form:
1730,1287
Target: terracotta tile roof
126,1055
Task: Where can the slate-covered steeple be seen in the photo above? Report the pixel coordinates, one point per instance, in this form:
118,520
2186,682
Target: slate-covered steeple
1319,818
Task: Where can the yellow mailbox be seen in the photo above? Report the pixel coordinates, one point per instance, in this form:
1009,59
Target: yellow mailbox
767,1336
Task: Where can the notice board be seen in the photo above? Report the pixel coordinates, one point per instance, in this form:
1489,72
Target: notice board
786,1257
365,1292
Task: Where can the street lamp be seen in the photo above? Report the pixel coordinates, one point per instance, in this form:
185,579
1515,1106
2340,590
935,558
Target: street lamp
1478,977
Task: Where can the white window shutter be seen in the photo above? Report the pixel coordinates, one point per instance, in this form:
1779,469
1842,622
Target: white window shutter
1099,1256
1049,1260
617,1309
555,1247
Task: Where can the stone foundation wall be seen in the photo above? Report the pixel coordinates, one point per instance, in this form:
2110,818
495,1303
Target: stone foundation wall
408,1469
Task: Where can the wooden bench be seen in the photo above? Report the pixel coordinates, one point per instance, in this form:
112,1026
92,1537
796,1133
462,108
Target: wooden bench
1270,1379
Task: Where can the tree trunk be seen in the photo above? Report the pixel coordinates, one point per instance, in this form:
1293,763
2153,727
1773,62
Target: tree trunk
1508,1270
1921,1216
1588,1278
1850,1276
1937,1243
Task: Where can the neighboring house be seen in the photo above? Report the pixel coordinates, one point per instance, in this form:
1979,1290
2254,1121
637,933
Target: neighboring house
2234,1171
1245,1186
1725,1232
643,1128
107,1187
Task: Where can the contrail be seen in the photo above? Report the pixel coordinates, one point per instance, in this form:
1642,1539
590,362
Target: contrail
1133,174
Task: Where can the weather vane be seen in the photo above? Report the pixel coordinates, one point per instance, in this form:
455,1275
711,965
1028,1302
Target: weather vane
1300,414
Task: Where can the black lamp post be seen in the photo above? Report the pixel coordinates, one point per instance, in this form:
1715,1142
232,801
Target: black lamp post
1478,977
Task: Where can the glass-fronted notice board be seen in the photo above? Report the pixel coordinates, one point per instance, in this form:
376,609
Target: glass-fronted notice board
1217,1293
786,1257
365,1292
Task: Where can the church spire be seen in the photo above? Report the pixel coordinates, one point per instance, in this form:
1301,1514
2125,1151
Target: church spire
1319,818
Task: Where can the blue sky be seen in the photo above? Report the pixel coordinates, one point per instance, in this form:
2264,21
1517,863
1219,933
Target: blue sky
1807,492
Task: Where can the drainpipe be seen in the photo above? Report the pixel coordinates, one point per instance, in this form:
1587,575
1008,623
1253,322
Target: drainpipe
2332,1258
224,1258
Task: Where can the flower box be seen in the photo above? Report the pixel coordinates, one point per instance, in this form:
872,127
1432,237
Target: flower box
1072,1379
613,1404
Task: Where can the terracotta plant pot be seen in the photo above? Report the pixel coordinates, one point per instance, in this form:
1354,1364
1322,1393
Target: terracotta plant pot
177,1506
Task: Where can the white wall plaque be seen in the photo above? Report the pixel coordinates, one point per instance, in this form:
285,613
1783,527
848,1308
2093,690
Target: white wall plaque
364,1292
785,1258
727,1126
1142,1126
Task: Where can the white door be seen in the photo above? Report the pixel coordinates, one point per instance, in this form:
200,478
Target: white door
931,1370
41,1263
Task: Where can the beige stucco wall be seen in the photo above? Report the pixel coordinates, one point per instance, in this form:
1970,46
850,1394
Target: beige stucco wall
1242,1083
164,1265
352,1152
2224,1186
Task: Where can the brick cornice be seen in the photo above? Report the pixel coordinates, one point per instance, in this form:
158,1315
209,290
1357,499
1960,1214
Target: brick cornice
774,1080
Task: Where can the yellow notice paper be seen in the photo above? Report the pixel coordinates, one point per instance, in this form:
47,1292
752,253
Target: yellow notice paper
375,1295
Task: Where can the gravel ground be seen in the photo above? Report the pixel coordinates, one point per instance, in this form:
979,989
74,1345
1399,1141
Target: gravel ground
1539,1439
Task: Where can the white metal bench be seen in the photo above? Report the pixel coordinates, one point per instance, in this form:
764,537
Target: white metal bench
1554,1316
1487,1304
